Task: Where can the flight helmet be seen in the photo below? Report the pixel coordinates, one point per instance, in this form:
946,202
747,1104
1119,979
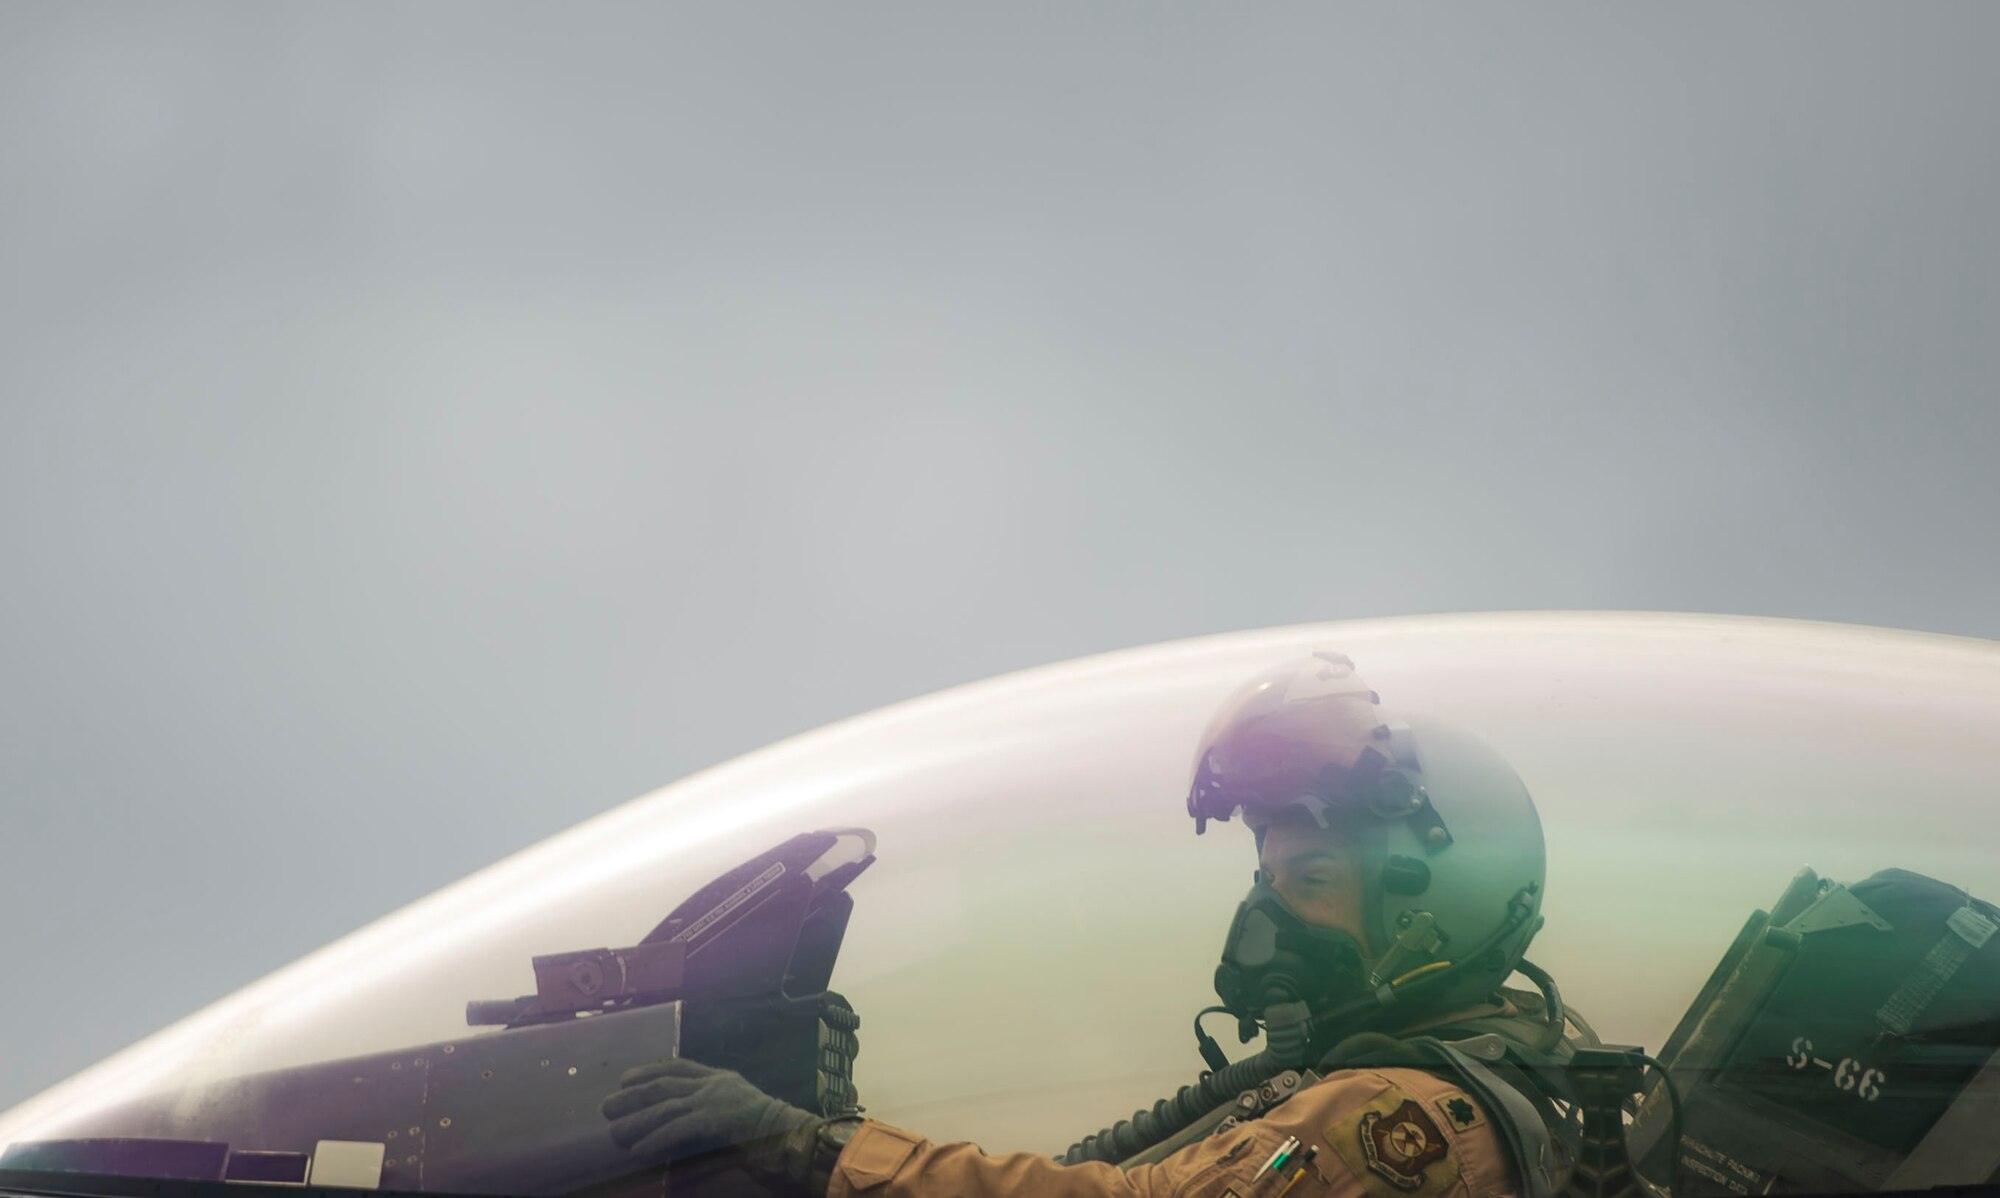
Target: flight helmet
1449,844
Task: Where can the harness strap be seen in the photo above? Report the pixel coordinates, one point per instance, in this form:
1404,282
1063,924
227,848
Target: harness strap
1519,1123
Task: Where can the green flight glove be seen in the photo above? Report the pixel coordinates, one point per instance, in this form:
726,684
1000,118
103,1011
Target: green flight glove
676,1109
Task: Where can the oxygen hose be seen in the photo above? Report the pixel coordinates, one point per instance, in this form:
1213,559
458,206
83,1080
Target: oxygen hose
1287,1027
1285,1038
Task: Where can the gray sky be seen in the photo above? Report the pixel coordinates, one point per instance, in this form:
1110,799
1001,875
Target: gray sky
424,427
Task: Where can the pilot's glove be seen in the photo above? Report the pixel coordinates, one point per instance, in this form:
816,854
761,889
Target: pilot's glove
677,1108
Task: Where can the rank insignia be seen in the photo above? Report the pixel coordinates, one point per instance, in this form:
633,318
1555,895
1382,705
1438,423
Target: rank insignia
1401,1144
1459,1111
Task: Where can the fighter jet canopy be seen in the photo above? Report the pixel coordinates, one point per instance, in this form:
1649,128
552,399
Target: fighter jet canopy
1010,893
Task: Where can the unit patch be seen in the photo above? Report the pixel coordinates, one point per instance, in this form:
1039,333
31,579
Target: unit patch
1461,1112
1401,1144
1394,1146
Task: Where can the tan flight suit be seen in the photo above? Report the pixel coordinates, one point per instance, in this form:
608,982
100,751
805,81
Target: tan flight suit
1387,1133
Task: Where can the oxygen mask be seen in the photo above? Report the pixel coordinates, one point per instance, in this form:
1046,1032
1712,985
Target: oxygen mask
1272,956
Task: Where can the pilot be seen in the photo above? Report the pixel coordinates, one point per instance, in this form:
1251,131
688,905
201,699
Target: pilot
1400,869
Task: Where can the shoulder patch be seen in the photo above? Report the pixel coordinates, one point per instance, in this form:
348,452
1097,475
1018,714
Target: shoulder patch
1395,1148
1402,1144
